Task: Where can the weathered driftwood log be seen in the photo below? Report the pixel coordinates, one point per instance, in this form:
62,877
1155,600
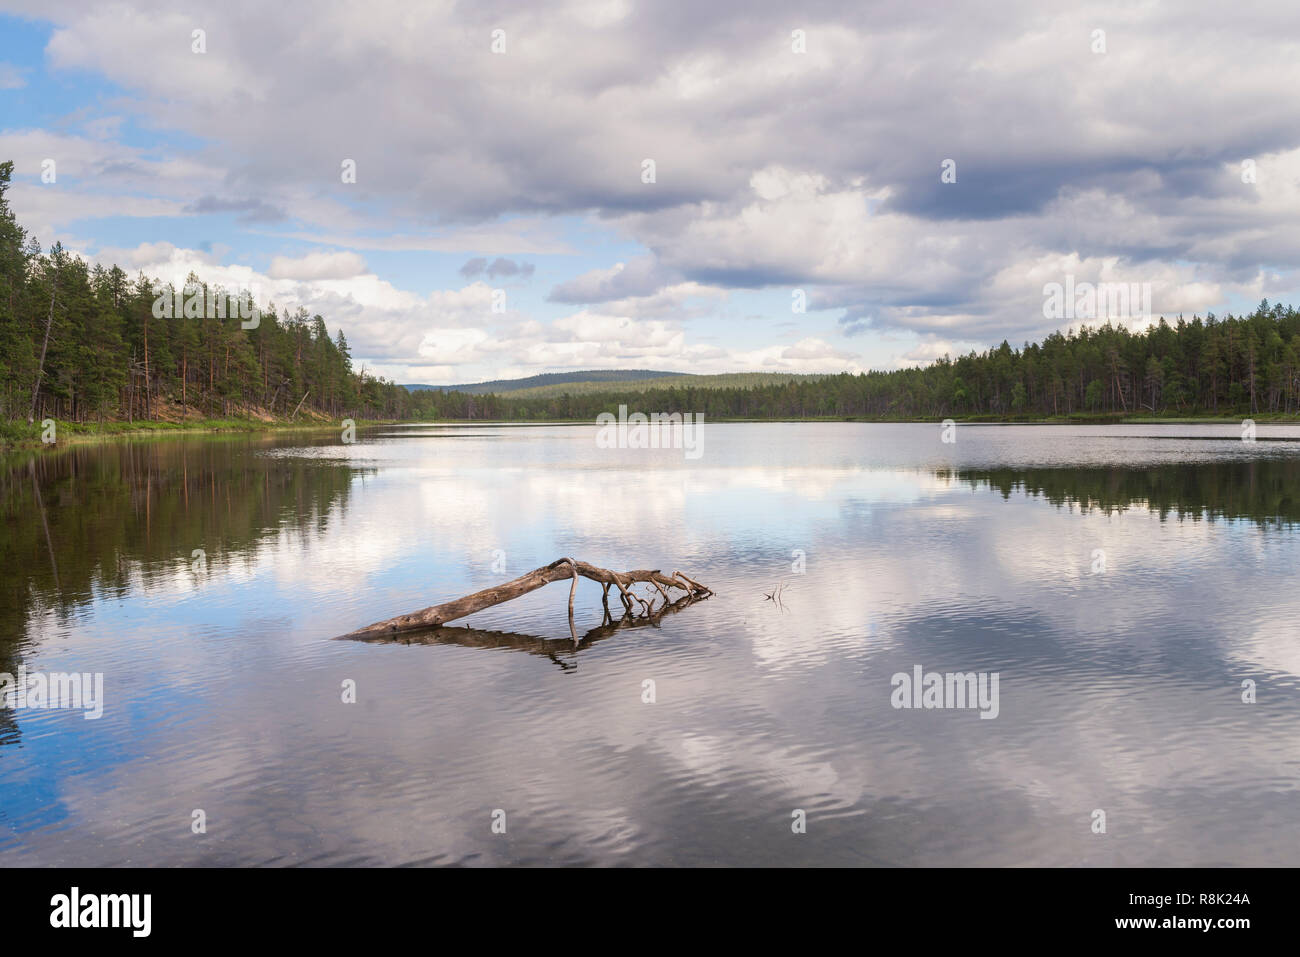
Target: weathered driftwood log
558,570
468,637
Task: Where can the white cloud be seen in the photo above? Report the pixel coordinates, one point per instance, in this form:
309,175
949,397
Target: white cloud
317,265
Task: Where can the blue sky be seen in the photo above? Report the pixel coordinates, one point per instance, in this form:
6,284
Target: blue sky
800,153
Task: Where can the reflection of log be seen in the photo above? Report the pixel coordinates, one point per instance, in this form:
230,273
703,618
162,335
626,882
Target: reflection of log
558,570
467,637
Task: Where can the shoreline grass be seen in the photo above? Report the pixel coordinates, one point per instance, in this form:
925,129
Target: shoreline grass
19,436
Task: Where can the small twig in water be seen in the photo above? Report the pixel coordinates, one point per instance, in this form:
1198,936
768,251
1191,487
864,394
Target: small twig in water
775,596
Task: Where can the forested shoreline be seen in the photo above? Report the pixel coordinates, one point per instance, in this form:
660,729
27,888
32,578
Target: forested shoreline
1228,367
85,344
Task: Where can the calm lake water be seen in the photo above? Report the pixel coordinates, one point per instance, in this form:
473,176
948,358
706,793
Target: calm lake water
1123,582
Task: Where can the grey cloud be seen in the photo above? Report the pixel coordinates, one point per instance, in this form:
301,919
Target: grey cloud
249,210
498,268
1148,133
642,276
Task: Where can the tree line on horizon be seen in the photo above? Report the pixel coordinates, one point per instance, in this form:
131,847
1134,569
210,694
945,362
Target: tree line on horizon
1230,366
84,343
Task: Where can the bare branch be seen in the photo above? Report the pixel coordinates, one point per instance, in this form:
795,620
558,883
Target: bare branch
558,570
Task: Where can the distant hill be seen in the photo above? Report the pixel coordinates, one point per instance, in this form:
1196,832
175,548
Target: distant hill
727,380
499,386
593,382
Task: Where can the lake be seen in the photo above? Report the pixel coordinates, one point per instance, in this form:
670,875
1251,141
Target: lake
1131,587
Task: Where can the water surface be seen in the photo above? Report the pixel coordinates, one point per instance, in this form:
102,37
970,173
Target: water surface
1120,689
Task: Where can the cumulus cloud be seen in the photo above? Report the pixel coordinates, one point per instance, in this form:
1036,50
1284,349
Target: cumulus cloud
317,265
454,335
641,277
774,170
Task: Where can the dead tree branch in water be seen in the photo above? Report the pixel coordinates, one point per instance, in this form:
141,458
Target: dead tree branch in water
467,637
558,570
